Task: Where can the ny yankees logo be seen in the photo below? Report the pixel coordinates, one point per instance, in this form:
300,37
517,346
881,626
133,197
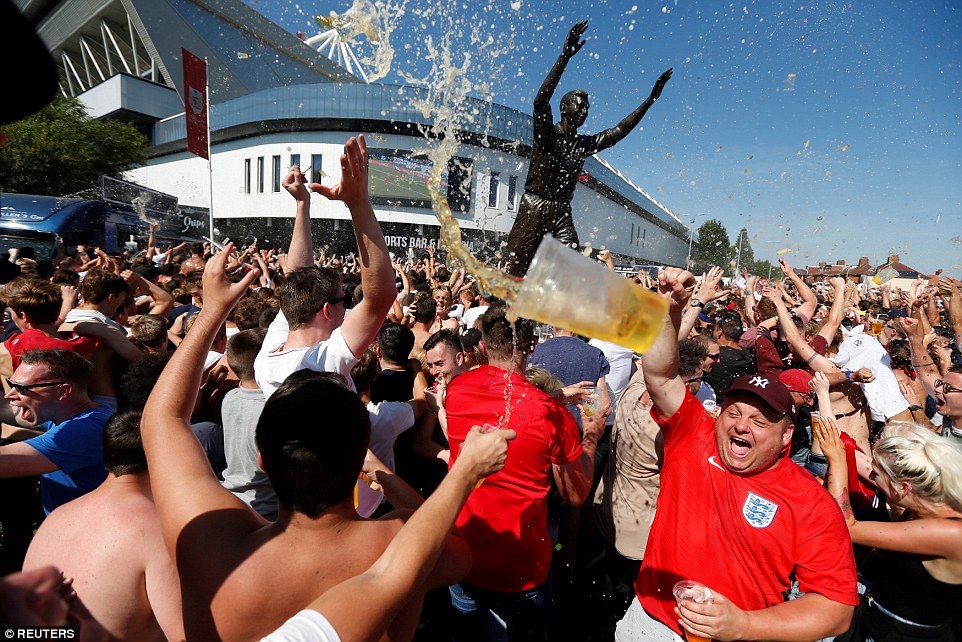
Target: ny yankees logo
760,382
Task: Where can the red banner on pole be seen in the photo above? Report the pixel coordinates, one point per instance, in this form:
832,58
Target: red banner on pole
195,104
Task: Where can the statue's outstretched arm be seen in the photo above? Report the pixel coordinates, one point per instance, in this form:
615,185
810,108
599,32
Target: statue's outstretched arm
573,44
613,136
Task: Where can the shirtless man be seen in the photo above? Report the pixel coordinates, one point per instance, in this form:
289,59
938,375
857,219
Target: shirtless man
442,296
242,576
196,259
424,313
109,542
103,294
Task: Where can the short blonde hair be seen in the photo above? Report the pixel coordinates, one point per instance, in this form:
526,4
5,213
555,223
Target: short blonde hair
149,330
542,379
931,464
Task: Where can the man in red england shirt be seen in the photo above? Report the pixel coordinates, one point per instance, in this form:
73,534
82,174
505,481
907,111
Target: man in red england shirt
505,521
735,514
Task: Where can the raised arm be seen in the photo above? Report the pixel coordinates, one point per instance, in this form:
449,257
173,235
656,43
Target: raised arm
573,44
925,367
709,289
301,252
612,136
183,484
408,560
954,304
809,300
836,313
666,388
151,245
377,275
163,302
791,334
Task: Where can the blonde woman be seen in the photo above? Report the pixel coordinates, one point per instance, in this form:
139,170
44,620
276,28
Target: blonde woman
916,592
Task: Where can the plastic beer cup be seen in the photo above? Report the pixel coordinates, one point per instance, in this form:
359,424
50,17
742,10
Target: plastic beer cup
692,591
591,403
816,425
566,289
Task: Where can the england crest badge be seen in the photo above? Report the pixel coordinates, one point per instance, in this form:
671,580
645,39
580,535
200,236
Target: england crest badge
759,511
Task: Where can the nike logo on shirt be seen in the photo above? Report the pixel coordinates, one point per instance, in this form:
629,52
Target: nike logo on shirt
711,460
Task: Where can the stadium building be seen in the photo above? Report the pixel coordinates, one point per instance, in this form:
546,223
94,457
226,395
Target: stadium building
275,102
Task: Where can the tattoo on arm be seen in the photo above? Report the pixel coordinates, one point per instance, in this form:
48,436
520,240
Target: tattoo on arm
845,505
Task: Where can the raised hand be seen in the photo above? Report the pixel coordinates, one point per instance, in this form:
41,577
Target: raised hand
219,293
352,187
710,287
485,451
676,285
660,85
574,43
295,184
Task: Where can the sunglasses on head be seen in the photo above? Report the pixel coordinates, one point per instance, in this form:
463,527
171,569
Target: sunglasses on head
24,388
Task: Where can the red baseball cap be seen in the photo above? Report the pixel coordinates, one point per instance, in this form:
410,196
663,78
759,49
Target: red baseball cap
772,392
796,380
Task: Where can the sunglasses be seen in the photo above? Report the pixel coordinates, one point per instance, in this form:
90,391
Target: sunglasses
944,386
24,388
715,357
336,300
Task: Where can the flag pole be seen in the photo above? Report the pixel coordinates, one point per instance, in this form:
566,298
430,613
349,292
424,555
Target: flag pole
210,158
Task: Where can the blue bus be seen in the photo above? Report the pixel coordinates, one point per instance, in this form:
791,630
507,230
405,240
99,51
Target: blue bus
115,222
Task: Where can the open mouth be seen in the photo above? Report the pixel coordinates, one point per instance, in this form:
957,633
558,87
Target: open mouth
25,415
739,447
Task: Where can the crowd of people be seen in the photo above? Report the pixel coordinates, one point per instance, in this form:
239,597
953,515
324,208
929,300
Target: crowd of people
242,443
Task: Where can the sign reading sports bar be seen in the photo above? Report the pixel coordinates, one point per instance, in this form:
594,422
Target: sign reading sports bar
195,104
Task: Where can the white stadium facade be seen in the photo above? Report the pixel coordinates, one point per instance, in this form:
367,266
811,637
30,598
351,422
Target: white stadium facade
275,101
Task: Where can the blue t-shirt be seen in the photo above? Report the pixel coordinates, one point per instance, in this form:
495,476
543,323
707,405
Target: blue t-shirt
75,446
571,360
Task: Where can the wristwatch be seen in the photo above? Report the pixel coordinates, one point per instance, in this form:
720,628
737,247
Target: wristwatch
695,303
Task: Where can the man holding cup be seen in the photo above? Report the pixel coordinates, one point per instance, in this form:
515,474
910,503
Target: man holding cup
734,514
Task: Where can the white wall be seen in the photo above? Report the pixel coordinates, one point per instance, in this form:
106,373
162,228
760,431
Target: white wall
600,222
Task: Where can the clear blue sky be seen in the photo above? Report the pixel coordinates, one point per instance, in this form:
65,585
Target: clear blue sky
832,128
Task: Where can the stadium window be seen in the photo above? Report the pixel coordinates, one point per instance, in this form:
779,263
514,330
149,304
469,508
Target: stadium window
493,183
315,176
276,183
247,176
295,160
512,191
260,174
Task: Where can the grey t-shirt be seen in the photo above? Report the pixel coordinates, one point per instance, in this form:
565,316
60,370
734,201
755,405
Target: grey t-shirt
243,477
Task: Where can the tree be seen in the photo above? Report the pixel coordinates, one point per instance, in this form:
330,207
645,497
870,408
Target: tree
744,253
712,248
763,268
60,150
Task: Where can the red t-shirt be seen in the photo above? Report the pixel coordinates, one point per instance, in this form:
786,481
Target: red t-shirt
739,535
33,339
505,520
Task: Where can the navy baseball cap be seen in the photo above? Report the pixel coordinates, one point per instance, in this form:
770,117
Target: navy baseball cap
772,392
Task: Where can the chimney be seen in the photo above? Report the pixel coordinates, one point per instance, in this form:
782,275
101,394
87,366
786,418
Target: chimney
821,264
863,261
893,258
840,262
